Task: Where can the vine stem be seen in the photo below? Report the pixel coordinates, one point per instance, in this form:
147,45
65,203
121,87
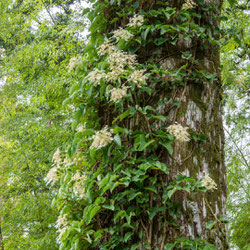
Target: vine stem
164,236
181,98
211,210
151,224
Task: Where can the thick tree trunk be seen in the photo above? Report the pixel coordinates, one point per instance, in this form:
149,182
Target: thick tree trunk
200,110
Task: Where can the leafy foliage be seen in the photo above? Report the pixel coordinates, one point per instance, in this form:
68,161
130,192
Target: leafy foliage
235,61
34,58
121,172
107,194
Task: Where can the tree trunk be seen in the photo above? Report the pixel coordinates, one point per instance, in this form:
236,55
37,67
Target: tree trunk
200,110
1,236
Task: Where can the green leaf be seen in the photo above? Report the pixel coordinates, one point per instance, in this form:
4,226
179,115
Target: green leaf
85,11
89,212
145,33
127,236
160,41
209,247
121,214
210,224
117,140
232,2
94,211
104,181
135,246
168,146
122,116
161,166
147,144
169,246
151,188
92,153
160,117
111,206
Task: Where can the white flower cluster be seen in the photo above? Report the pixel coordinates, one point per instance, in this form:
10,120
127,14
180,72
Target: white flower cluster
102,138
67,162
115,74
81,128
52,176
179,132
138,77
122,34
62,221
96,75
136,21
106,48
79,181
61,232
189,4
119,63
57,157
120,59
117,94
208,183
73,62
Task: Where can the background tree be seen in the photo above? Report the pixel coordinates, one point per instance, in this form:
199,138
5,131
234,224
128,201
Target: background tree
235,61
37,40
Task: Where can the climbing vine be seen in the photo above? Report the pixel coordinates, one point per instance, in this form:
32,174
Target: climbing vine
114,180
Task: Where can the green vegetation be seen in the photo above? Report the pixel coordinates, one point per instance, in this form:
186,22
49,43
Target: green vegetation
47,101
35,52
236,80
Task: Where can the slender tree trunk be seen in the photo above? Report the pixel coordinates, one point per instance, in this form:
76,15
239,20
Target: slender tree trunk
200,110
1,236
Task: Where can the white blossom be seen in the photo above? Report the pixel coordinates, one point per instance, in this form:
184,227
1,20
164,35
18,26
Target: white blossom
79,180
95,76
122,34
81,128
179,132
189,4
67,162
121,60
62,221
106,48
102,138
56,157
61,231
73,62
114,75
138,77
208,183
117,94
52,176
136,21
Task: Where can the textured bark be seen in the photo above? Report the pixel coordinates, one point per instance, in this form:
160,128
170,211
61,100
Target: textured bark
200,110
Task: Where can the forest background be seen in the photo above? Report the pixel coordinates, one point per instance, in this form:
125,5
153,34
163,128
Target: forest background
37,41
